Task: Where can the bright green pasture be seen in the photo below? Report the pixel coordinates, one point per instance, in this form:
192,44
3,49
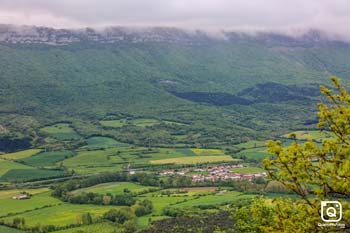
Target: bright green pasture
194,160
315,135
103,227
6,166
145,156
47,158
255,154
142,122
20,154
215,199
60,215
114,123
113,159
30,174
115,188
103,142
185,151
96,157
247,169
207,152
160,202
250,144
41,197
4,229
192,191
61,131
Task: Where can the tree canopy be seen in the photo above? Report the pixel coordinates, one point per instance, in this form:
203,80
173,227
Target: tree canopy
315,172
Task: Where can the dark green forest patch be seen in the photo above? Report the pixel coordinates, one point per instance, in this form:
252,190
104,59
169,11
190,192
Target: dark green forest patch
268,92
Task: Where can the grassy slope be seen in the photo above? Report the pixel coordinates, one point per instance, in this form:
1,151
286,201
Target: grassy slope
60,215
40,198
89,81
6,166
115,188
47,158
21,154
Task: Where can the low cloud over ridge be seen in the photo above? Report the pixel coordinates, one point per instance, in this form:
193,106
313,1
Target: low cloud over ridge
331,16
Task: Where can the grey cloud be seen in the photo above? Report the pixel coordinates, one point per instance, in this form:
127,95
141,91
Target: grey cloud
332,16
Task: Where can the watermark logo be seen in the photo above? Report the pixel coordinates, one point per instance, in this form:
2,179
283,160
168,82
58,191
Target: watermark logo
331,214
331,211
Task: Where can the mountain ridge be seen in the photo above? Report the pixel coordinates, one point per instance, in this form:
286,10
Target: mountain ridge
14,34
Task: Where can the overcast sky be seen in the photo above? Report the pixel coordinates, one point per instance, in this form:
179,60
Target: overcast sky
328,15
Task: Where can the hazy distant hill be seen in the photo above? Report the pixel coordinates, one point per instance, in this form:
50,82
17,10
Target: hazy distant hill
237,79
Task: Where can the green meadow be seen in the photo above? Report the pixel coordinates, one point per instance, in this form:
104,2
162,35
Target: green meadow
59,215
41,197
248,169
257,154
6,166
30,174
21,154
103,227
60,131
115,188
102,142
4,229
215,199
142,122
47,158
194,160
315,135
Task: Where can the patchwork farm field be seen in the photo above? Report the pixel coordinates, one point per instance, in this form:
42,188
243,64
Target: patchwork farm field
103,227
59,215
6,166
30,174
194,160
47,158
247,170
21,154
100,154
4,229
257,154
207,152
315,135
115,188
115,158
215,199
41,197
162,201
103,142
60,131
96,157
142,122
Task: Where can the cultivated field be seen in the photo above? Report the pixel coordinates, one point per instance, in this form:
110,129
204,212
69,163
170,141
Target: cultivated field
315,135
21,154
248,170
41,197
194,160
115,188
47,158
59,215
215,199
102,142
60,131
30,174
142,122
6,166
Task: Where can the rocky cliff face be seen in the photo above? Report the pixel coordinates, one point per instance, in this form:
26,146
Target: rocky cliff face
43,35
